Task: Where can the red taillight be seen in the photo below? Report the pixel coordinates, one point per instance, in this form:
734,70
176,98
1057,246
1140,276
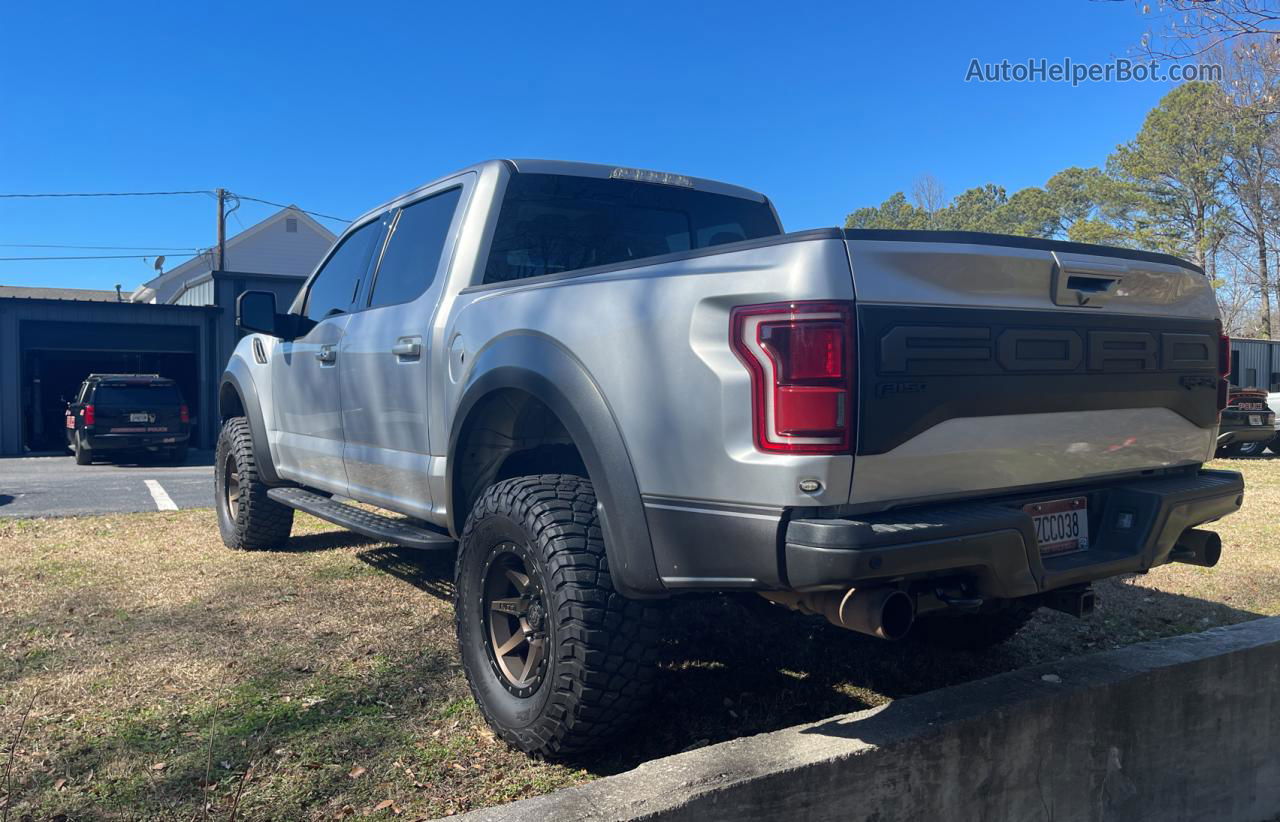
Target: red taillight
184,414
801,359
1224,368
88,415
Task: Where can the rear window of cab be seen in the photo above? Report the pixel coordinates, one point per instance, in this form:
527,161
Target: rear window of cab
554,223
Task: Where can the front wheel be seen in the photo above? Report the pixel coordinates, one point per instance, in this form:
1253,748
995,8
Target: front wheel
247,518
557,660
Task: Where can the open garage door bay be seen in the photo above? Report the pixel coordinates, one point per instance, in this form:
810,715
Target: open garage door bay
48,347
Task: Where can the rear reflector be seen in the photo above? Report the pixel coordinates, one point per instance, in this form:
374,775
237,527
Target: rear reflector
801,359
1224,368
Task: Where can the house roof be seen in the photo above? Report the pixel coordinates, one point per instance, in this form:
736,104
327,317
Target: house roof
203,261
36,293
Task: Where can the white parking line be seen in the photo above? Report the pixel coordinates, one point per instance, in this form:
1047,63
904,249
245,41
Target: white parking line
163,502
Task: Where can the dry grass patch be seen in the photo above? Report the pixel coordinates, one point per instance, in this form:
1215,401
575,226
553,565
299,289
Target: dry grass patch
164,667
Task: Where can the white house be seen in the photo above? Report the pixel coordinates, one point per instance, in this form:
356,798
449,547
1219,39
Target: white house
288,243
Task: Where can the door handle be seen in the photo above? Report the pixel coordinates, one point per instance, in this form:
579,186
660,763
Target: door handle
327,353
408,348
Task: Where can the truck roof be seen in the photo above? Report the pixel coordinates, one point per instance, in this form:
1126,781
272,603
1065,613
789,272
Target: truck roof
535,166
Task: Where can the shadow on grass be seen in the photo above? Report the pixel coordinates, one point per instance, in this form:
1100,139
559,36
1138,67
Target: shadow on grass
733,668
324,541
428,571
1266,456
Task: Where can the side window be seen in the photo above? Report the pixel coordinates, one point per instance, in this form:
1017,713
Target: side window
335,286
412,256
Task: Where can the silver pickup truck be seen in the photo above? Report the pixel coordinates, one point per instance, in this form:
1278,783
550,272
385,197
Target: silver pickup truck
603,387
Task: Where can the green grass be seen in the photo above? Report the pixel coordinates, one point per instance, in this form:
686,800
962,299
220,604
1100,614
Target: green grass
170,674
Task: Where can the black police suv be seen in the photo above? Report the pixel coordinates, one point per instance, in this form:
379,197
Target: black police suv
128,412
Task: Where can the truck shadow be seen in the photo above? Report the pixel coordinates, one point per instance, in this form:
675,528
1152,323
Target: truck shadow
732,667
428,571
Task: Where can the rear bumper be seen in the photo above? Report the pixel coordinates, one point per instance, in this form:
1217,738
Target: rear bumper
1133,527
121,442
1245,433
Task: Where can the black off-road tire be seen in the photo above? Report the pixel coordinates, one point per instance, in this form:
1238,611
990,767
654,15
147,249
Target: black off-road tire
974,631
599,661
255,522
83,455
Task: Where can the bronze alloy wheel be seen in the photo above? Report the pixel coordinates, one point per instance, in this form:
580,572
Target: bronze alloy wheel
515,620
231,487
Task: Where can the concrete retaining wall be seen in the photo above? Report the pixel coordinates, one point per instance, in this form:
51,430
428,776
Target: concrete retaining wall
1186,728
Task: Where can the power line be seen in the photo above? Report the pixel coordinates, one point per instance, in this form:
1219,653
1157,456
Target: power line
102,194
283,205
102,257
42,195
103,247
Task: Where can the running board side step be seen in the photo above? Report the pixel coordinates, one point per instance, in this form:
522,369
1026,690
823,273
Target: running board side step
362,521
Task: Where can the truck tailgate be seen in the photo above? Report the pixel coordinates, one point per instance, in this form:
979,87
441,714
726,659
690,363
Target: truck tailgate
990,363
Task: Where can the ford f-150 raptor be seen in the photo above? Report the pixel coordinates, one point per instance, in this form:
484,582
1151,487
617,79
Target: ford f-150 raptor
603,387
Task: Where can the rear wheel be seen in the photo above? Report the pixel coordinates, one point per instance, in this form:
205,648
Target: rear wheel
83,455
247,518
973,631
1249,449
557,660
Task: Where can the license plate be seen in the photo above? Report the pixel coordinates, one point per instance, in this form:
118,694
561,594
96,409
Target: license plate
138,417
1061,525
169,439
1255,419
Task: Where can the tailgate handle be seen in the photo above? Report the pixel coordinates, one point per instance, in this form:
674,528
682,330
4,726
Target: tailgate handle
1086,284
1090,284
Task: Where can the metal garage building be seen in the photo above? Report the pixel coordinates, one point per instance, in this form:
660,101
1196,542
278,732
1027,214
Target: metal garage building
1255,364
48,344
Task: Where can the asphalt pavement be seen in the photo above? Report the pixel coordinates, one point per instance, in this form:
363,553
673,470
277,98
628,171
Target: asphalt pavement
55,486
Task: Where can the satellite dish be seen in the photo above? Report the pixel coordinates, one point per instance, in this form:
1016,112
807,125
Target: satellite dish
159,264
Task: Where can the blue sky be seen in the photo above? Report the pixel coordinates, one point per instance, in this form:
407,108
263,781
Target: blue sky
338,106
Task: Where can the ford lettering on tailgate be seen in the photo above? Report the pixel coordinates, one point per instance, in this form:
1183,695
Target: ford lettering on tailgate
980,350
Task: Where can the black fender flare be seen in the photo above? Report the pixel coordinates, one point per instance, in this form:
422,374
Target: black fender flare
542,368
244,387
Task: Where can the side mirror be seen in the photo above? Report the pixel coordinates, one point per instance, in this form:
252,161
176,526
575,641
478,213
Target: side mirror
256,311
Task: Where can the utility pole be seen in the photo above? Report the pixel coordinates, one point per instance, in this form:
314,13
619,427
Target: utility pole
222,229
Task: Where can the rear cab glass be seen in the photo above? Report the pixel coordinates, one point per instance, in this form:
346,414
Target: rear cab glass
136,395
555,223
